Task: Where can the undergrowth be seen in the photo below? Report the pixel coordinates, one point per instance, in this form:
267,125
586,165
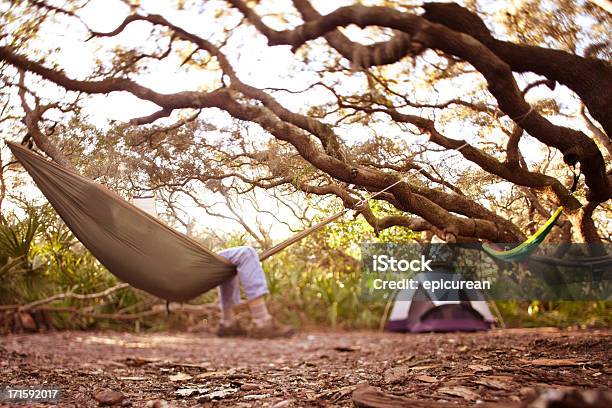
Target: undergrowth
313,283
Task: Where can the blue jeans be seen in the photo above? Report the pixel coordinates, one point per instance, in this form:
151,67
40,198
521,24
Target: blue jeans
250,275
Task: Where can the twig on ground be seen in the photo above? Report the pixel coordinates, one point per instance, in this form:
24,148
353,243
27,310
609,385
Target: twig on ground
111,316
70,295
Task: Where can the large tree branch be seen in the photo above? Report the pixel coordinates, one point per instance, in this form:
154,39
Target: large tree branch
568,69
323,131
379,224
178,100
408,165
575,146
590,78
32,119
516,175
388,221
370,178
361,56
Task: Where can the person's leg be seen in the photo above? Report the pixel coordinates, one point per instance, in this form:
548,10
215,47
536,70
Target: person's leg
229,297
249,270
229,291
253,280
259,311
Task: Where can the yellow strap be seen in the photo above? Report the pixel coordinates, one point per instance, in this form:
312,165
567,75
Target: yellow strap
532,238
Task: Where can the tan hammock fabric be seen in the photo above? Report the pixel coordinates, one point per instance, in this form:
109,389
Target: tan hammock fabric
130,243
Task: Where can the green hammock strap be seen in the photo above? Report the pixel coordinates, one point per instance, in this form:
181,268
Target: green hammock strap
521,251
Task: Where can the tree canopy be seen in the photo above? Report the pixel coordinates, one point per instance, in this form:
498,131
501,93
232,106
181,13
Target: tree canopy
480,115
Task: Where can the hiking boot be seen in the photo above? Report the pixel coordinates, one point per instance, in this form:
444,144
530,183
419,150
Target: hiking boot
233,329
271,330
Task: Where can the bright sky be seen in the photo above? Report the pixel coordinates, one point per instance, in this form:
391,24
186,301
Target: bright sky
255,62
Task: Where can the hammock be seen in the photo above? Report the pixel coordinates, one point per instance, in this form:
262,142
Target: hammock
523,250
131,244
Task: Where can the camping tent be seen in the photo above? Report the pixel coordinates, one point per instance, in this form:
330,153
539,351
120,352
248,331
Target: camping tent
423,310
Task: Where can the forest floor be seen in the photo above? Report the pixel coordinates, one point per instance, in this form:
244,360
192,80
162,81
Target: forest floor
500,367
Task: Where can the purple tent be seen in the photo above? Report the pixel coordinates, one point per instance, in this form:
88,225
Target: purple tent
420,310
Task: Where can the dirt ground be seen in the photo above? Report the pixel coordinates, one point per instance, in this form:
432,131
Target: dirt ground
311,369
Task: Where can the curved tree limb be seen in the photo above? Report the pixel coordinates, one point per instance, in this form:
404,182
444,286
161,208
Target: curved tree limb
576,146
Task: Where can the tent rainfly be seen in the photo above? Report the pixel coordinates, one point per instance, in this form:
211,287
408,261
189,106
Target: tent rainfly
421,310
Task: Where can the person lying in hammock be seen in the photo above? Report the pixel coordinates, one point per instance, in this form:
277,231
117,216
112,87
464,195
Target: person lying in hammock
109,223
251,275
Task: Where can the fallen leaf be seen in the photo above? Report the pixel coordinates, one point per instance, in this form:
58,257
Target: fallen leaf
132,378
493,383
221,374
426,378
424,367
180,377
115,364
459,391
339,391
249,387
395,375
368,396
211,374
479,368
256,396
550,362
217,395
